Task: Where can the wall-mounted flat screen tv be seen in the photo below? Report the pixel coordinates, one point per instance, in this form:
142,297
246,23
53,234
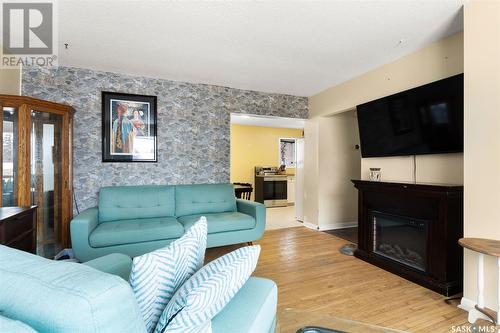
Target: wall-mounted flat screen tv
424,120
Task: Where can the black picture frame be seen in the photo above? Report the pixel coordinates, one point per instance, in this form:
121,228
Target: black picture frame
136,127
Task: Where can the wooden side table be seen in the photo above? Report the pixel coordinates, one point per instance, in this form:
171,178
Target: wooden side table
483,247
18,228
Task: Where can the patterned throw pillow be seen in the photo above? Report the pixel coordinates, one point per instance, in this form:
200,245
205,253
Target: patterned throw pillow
206,293
157,275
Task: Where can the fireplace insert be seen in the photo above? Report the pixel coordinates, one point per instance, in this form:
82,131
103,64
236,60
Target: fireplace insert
402,239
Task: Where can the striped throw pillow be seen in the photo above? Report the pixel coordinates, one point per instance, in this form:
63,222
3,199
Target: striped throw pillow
157,275
206,293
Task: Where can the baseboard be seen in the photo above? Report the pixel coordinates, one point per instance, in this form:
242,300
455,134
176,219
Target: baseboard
310,225
340,225
330,226
466,304
470,306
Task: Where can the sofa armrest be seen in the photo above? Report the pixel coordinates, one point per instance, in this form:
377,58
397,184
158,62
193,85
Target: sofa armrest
81,227
114,263
255,209
252,309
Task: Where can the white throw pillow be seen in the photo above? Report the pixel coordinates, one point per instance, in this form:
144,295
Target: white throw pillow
206,293
206,328
157,275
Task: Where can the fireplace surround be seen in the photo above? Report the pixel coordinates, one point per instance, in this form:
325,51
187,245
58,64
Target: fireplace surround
412,229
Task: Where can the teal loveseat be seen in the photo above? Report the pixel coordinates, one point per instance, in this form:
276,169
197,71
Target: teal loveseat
134,220
46,296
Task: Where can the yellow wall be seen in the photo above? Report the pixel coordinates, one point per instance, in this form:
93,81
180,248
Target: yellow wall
10,81
482,138
439,60
253,146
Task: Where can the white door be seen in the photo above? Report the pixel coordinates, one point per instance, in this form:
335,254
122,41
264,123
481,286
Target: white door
299,180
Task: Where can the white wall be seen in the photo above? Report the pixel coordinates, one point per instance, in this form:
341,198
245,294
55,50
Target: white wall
438,168
482,138
10,81
311,172
339,162
439,60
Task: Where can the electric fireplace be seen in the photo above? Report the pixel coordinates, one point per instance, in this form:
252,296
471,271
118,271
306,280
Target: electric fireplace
412,230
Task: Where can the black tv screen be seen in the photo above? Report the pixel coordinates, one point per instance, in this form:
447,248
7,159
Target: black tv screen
424,120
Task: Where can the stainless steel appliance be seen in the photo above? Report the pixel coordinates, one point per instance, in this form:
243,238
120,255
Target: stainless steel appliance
270,186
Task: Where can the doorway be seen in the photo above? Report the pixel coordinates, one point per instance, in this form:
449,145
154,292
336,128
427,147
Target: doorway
268,143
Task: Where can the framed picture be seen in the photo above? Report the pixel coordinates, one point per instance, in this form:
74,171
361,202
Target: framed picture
128,128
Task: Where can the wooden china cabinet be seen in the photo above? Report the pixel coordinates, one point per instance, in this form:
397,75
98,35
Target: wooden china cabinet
36,165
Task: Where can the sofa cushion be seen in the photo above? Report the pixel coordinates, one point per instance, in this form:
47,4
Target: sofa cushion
252,309
221,222
204,199
135,231
136,202
52,296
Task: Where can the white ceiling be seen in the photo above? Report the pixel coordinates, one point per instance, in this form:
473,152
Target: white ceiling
292,47
266,121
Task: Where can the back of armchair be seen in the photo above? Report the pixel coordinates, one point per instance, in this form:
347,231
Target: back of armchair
52,296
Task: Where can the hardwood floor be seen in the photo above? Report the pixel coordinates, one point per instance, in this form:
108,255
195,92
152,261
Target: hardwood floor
349,234
312,275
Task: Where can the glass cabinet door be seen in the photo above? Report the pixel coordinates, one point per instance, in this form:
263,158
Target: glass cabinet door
46,180
36,166
9,157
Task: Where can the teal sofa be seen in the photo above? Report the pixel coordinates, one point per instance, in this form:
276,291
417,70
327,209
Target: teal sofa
48,296
134,220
